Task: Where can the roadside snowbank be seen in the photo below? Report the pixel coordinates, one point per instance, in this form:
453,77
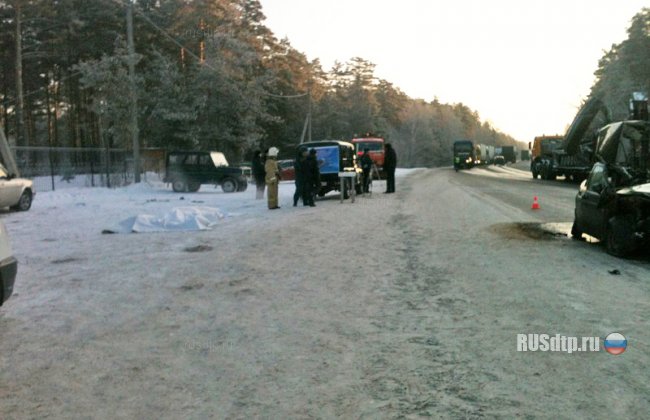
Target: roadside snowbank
152,206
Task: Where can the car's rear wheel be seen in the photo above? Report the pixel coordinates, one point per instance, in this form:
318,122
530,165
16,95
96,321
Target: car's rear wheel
619,238
193,186
25,202
179,185
229,185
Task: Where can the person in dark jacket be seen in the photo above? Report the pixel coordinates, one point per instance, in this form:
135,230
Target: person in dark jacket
311,179
366,167
390,164
259,174
299,175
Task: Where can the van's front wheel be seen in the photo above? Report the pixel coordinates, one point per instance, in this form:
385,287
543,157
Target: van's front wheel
229,185
179,185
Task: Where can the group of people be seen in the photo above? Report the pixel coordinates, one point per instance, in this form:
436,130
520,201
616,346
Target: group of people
390,164
307,177
266,171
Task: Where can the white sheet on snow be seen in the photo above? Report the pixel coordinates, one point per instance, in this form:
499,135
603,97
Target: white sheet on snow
177,219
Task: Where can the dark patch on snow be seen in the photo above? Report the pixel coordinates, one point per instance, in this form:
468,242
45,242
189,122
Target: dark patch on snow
524,231
199,248
236,282
244,292
65,260
426,341
192,285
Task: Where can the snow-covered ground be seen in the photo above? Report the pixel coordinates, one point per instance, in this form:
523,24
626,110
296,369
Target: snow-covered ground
87,305
397,306
149,205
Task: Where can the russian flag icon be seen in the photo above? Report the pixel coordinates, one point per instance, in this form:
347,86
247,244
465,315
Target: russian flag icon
615,343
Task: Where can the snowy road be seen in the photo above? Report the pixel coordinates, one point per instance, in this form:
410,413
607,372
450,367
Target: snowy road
398,305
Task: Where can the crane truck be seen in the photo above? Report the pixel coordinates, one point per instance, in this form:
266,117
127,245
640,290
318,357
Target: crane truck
571,155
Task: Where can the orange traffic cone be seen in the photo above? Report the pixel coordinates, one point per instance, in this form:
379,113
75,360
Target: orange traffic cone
535,204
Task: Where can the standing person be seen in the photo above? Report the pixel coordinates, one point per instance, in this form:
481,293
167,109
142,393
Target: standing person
272,177
298,170
311,179
259,174
366,167
390,163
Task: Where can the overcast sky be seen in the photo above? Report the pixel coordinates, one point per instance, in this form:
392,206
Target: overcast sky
523,65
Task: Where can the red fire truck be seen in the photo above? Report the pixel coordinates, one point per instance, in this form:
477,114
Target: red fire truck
375,146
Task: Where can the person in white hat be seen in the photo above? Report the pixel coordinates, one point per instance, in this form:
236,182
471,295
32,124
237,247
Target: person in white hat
272,177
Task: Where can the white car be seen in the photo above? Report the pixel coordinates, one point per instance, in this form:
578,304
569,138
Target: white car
8,266
16,193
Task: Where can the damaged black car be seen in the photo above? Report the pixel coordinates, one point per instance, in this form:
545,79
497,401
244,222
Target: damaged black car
613,204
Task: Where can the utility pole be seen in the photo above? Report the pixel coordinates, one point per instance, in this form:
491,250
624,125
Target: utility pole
202,43
49,127
306,128
134,95
21,134
309,111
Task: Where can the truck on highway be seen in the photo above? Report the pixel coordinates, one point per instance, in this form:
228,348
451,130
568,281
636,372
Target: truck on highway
464,154
509,153
525,155
541,152
571,155
484,154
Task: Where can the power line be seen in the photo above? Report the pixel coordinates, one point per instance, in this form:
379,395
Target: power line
300,95
39,90
172,39
165,33
189,51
